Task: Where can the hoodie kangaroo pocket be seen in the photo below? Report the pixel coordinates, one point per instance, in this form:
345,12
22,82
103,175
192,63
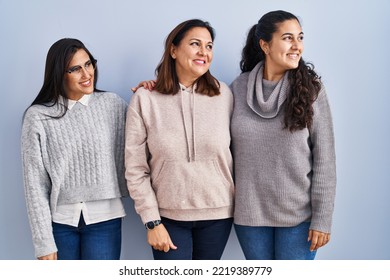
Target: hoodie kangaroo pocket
192,185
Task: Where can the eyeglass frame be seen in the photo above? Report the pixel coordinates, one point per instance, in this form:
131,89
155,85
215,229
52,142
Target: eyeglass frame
77,68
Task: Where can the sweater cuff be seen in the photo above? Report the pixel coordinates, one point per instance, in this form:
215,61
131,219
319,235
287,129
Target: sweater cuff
151,214
45,247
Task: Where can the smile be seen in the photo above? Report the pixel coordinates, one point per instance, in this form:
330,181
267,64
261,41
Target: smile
199,61
86,83
293,56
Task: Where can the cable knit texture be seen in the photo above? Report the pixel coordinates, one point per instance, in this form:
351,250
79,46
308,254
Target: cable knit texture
79,157
178,161
282,178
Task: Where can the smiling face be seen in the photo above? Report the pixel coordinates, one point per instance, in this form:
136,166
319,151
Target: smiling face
193,55
81,81
284,51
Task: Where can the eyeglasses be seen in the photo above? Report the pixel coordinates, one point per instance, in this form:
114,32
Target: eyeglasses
89,66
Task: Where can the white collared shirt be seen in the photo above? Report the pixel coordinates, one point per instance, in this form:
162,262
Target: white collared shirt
83,100
93,211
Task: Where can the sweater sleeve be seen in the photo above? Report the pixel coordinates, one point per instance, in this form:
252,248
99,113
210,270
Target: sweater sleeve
323,188
120,146
37,185
137,166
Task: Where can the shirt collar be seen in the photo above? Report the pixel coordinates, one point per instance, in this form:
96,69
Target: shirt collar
83,100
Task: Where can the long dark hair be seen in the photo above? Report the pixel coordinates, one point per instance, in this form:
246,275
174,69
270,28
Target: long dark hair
304,82
57,61
167,79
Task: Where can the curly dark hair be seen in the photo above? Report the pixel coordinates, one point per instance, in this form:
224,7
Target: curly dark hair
305,84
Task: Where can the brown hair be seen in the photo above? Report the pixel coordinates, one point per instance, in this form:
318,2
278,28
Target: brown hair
167,79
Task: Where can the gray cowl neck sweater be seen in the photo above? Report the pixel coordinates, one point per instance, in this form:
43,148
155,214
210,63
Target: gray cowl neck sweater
265,107
282,178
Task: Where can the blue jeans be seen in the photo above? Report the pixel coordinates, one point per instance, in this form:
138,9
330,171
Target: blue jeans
196,240
275,243
100,241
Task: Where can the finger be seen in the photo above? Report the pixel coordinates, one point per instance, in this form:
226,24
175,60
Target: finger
172,246
314,241
327,239
48,257
320,242
144,85
310,235
166,248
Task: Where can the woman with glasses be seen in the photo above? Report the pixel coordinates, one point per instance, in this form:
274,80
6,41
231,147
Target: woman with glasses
72,150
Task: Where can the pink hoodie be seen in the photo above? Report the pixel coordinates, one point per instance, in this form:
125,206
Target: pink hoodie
177,155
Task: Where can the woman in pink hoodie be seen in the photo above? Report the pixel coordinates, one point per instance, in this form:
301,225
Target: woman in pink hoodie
177,156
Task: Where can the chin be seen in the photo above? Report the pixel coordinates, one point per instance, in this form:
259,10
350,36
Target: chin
89,91
292,67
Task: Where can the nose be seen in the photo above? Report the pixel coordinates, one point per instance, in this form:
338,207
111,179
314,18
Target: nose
202,50
296,45
85,72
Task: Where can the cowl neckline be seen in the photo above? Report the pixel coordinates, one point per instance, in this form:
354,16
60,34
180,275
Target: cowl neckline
255,97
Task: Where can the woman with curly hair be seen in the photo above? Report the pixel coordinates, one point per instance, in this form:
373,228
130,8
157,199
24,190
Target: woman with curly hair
283,146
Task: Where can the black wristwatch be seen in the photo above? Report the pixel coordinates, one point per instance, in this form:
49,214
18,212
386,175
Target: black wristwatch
152,224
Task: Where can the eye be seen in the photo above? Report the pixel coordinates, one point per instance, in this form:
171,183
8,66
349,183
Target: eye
209,47
88,64
194,43
300,38
287,38
74,69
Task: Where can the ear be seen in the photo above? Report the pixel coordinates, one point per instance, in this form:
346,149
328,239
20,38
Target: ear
173,51
264,46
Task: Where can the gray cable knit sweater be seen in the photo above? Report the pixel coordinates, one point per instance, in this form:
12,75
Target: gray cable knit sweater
79,157
282,178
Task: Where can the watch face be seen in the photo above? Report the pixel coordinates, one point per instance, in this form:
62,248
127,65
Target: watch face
150,225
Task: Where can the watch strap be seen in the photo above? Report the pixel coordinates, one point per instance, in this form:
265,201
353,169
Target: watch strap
152,224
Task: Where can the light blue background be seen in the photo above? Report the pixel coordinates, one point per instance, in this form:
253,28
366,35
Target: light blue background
348,41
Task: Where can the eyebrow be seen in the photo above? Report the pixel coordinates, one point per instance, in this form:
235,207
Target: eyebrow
287,33
210,42
89,60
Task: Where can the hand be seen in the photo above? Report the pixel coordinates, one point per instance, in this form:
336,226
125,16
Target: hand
149,85
318,239
52,256
160,240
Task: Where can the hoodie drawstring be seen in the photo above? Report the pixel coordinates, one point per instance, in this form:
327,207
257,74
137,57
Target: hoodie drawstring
193,125
191,154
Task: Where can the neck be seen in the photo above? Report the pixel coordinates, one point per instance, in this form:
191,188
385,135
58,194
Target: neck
270,74
187,83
